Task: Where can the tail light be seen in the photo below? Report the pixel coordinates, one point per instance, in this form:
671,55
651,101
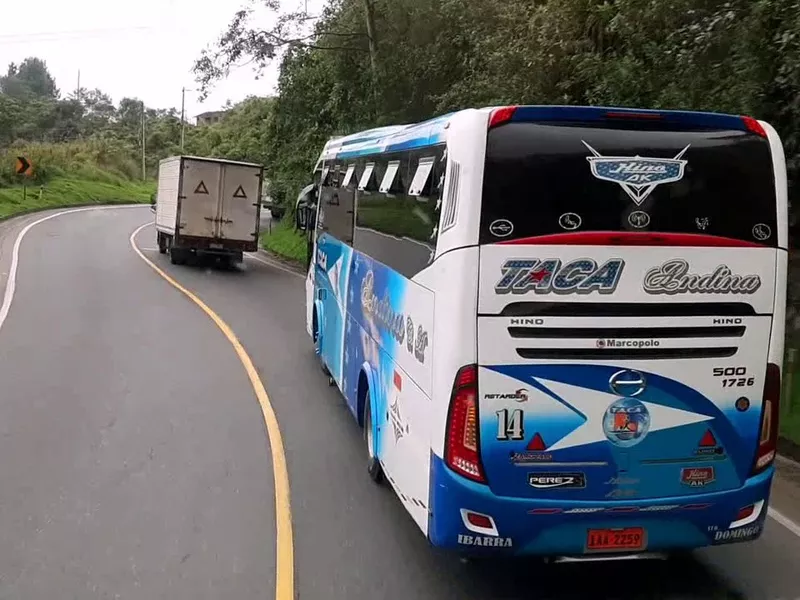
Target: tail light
770,411
462,445
501,115
753,126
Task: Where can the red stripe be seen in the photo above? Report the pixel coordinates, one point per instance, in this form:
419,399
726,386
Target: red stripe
631,238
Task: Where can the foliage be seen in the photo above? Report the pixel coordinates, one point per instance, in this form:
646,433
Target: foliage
31,79
427,57
284,240
72,191
83,130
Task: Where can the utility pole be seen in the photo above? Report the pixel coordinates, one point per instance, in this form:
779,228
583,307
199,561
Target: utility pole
369,15
78,91
144,158
183,111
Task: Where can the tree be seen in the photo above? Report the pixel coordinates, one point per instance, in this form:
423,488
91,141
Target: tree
31,79
260,47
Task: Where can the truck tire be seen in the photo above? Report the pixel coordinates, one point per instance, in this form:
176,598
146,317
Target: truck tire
162,243
177,256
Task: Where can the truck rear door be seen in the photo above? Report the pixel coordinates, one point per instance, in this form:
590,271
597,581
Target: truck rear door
199,198
240,202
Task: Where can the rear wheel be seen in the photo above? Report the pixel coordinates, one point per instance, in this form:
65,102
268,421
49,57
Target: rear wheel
177,256
162,243
318,349
373,464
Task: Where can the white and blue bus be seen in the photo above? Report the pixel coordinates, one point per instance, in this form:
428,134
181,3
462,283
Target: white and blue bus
561,328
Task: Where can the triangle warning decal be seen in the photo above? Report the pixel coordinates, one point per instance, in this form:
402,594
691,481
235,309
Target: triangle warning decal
708,440
239,193
537,444
201,188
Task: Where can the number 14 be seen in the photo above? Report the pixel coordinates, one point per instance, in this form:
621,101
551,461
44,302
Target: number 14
510,426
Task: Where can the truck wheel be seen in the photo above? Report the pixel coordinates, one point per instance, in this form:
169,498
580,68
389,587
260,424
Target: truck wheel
177,256
162,243
373,464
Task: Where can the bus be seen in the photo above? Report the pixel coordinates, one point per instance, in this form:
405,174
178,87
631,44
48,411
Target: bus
560,328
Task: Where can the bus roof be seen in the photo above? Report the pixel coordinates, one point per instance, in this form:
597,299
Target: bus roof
428,133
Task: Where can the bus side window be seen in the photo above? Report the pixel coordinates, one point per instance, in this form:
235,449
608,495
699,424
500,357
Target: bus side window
337,207
392,225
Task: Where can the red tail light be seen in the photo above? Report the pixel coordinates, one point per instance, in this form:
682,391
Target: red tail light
770,411
501,115
753,126
462,446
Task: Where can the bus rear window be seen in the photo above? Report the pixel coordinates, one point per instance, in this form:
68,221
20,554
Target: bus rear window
542,179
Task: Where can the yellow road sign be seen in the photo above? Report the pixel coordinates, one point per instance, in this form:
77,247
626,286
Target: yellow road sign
23,166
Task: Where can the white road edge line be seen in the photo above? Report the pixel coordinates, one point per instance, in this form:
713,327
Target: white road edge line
11,283
785,521
274,264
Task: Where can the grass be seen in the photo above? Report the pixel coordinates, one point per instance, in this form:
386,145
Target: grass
790,401
285,241
72,191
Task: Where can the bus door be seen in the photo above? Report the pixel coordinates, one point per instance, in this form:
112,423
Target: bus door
332,261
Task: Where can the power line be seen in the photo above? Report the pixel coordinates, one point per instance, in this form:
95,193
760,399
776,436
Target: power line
45,36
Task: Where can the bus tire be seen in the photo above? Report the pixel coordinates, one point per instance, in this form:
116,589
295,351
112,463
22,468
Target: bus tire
318,348
373,464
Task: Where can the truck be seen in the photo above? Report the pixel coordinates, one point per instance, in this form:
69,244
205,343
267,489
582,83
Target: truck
207,206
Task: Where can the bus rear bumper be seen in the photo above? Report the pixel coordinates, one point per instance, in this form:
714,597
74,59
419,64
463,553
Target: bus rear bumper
522,526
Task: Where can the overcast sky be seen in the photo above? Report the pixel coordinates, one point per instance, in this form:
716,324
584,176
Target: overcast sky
142,49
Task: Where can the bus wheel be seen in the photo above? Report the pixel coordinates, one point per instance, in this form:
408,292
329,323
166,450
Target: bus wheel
318,349
373,464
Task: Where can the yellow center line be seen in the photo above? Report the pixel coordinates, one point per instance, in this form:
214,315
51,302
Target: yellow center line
284,568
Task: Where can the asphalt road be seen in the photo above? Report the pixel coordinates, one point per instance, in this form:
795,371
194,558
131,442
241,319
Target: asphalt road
134,461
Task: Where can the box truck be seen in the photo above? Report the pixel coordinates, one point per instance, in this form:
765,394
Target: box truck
207,206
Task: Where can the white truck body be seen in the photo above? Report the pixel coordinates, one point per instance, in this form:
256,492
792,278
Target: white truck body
209,204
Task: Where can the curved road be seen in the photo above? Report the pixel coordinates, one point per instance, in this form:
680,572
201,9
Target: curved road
134,460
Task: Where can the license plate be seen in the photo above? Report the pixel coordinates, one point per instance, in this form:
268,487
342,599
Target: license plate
627,538
215,246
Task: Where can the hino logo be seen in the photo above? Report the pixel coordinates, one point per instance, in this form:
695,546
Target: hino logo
527,321
627,383
727,321
637,175
547,481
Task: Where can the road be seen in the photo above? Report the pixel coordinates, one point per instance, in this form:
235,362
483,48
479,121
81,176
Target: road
134,460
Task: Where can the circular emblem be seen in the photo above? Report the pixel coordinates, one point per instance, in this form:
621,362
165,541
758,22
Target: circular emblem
761,232
742,404
626,422
569,221
639,219
627,383
501,228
